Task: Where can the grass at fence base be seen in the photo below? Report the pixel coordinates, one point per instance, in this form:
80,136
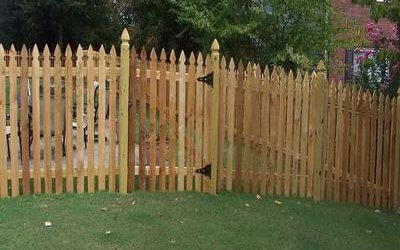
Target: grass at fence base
191,220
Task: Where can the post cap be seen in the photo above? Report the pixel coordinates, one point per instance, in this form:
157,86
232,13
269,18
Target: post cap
125,35
215,45
321,67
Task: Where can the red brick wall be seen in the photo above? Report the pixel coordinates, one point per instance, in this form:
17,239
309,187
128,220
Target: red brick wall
358,15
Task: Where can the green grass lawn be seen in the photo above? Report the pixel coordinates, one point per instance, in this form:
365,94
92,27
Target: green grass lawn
191,220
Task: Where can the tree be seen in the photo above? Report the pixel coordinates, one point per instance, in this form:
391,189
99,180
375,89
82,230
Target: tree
288,33
58,21
380,66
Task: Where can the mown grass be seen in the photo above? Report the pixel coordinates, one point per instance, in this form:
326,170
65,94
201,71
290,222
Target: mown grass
191,221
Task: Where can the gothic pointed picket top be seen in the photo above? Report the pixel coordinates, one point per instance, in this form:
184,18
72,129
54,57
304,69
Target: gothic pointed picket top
125,35
215,45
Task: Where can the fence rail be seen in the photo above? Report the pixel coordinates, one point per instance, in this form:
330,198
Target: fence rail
275,132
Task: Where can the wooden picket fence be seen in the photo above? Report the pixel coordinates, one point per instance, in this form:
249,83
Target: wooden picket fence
67,117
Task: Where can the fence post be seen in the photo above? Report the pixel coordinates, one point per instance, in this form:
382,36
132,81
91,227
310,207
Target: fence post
123,113
214,117
320,109
396,186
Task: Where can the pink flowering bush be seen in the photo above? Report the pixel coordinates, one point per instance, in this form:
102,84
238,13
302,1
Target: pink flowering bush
380,65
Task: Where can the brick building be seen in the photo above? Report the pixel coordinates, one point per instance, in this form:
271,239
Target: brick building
343,61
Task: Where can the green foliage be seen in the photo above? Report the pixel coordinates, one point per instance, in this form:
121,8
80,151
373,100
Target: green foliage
58,21
389,9
289,33
380,66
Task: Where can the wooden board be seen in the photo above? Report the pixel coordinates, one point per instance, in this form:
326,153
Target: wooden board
35,122
101,119
191,85
230,120
111,119
198,158
373,141
265,89
68,118
3,144
172,122
274,113
358,156
248,113
339,144
296,134
312,136
79,120
207,111
289,134
162,86
345,145
133,84
366,147
353,145
181,120
386,153
256,130
281,131
239,126
90,119
152,119
58,121
379,154
305,160
330,153
24,122
47,120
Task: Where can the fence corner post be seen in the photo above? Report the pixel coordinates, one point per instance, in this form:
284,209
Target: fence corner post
396,184
214,117
123,113
320,105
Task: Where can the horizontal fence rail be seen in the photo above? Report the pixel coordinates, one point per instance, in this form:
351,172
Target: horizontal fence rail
275,132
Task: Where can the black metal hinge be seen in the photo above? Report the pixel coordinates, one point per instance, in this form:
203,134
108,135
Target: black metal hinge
208,79
206,170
